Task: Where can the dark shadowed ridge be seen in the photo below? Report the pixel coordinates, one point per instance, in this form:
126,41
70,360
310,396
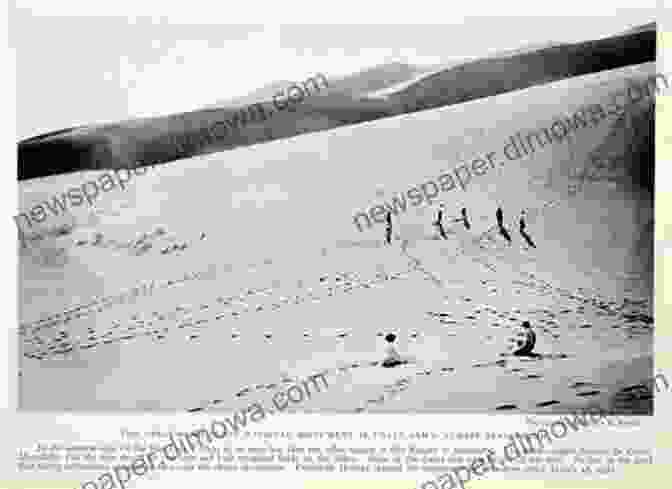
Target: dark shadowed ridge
355,84
376,78
642,28
144,141
258,95
488,77
628,152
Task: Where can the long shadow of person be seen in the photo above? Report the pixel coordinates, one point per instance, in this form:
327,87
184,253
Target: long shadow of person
523,233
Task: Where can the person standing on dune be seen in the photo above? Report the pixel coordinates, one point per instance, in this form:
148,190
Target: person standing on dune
439,223
500,225
464,219
388,228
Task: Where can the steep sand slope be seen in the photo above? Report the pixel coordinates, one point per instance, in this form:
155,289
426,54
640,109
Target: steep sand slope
296,289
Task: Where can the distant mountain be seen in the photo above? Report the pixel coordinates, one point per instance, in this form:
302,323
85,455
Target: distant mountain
259,95
492,76
377,78
357,84
642,28
345,101
525,49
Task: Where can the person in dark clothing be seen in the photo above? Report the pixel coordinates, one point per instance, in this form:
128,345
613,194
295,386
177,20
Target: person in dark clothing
500,225
525,341
525,236
500,217
465,219
388,228
439,223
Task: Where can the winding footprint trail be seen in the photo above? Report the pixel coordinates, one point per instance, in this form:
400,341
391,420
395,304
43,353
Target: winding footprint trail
42,340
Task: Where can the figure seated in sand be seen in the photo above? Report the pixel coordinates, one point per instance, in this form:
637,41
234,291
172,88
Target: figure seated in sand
525,341
392,358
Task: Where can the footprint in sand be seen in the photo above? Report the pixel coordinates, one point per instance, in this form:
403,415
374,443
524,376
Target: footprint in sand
578,384
378,400
547,403
638,387
588,393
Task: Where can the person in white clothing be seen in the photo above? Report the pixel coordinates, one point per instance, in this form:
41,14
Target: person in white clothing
524,341
392,358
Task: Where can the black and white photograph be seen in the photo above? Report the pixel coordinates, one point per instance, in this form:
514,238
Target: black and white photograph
424,218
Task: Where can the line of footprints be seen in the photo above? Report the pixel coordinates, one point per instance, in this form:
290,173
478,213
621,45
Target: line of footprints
236,306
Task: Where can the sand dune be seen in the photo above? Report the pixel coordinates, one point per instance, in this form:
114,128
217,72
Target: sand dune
292,288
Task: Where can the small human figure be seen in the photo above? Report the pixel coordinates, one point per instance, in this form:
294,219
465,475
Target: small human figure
23,238
388,228
392,358
465,219
500,225
524,234
439,223
525,341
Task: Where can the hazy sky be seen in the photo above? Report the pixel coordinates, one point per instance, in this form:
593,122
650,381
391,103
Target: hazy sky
79,70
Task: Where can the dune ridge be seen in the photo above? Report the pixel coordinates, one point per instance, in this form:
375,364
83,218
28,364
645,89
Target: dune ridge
142,141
